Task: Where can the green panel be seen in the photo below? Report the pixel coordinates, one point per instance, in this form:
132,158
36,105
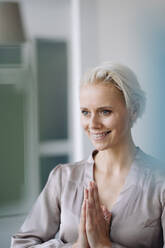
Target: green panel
52,89
10,55
47,164
11,145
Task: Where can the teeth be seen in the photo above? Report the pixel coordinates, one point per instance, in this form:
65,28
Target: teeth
100,135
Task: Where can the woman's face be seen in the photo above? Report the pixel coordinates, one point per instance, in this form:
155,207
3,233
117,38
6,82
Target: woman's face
104,115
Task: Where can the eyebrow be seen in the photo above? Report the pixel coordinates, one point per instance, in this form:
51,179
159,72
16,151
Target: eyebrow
103,107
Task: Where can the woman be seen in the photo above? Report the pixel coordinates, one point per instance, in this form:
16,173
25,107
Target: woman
115,198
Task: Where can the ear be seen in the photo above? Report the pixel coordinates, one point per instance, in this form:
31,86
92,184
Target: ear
133,117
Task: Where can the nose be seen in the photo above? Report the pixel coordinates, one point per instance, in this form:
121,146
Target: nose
95,122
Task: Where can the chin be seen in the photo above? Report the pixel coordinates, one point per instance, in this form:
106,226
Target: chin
100,147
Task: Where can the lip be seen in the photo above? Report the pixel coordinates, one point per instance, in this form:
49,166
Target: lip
99,135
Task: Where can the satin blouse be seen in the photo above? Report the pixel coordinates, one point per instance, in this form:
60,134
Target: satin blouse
138,215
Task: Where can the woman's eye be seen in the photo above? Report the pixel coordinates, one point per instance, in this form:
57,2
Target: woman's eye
84,112
106,112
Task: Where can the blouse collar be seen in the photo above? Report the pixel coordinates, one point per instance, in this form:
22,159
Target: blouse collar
89,170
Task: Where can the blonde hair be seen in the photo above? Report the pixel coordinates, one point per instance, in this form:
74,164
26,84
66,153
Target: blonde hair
124,79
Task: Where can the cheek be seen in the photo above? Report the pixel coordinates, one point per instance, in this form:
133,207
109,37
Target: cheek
109,122
117,123
84,123
123,124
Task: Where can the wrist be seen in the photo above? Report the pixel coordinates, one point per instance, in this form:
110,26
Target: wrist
105,245
108,246
75,245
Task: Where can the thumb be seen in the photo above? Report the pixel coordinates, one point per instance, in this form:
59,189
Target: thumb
107,217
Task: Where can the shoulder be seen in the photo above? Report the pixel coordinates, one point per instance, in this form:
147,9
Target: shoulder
151,167
151,177
71,171
154,165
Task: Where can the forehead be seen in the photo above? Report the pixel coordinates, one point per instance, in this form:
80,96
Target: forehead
101,94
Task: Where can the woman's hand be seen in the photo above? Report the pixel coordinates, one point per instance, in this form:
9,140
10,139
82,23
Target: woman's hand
95,223
97,220
82,237
107,217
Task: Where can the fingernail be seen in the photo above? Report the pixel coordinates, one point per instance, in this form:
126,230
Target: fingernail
85,192
104,208
94,184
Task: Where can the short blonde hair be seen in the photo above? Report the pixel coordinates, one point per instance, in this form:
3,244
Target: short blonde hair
125,80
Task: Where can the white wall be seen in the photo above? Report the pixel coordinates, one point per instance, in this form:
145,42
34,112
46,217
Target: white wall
49,19
89,48
126,30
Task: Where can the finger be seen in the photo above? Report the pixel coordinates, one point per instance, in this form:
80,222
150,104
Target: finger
96,197
82,218
89,217
91,203
107,218
91,194
107,214
85,194
83,212
107,223
103,207
104,211
82,238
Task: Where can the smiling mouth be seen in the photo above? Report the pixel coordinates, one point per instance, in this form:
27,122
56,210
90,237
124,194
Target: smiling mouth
99,136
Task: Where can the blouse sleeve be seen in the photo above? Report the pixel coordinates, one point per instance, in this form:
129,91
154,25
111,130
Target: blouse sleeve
42,224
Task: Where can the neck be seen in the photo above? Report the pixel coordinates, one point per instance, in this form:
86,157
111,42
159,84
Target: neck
116,159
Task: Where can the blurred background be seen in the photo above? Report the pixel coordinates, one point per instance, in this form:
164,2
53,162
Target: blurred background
45,47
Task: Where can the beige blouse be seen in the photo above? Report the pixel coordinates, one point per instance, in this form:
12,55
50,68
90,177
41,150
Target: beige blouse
138,216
